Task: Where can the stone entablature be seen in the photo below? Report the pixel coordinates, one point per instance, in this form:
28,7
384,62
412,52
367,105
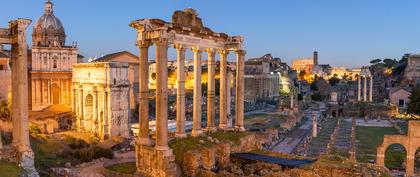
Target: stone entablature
411,142
186,29
101,99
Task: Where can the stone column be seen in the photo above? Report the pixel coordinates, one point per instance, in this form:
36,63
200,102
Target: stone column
74,100
105,118
95,111
211,92
223,90
364,88
15,88
314,126
82,121
21,92
49,91
292,99
239,122
371,89
161,95
33,86
359,88
196,131
143,138
180,92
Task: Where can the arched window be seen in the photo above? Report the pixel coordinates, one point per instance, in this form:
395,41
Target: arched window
55,63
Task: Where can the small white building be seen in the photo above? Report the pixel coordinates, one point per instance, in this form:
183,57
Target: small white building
101,99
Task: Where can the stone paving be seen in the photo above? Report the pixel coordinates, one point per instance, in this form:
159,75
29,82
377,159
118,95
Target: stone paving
319,144
342,142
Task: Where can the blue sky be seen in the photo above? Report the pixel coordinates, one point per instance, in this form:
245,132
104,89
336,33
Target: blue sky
345,33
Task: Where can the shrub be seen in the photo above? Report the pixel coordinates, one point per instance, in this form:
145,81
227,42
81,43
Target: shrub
87,154
84,154
34,130
75,143
102,152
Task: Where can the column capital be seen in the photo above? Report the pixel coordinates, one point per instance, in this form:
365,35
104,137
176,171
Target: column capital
179,47
143,44
211,52
223,52
240,52
196,49
161,42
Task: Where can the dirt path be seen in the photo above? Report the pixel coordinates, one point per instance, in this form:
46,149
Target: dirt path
95,170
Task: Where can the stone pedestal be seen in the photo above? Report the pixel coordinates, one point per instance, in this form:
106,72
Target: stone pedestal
156,163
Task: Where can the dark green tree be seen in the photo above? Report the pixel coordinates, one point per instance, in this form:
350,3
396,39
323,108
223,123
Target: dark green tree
414,105
375,61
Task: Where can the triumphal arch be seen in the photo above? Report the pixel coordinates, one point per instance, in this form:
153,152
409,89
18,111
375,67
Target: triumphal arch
185,32
15,35
411,143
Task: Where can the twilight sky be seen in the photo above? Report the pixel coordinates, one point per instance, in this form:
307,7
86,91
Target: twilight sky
345,33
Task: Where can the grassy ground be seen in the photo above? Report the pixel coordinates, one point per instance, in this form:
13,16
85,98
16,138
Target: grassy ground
189,143
264,121
126,168
368,139
8,169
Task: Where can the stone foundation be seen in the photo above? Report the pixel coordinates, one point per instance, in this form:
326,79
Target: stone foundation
156,163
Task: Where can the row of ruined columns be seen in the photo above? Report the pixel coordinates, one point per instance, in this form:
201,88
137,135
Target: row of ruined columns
359,89
162,95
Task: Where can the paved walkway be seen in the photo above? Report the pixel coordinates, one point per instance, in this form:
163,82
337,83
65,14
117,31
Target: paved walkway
294,138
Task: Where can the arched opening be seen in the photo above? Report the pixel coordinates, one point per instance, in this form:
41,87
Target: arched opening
55,92
88,107
396,157
417,162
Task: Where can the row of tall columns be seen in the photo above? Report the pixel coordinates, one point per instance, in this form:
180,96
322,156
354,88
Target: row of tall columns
161,92
365,89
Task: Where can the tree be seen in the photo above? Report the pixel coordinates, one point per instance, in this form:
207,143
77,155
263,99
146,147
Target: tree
375,61
389,62
414,105
334,80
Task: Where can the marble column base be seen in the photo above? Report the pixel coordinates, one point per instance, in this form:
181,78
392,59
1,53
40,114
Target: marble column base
196,133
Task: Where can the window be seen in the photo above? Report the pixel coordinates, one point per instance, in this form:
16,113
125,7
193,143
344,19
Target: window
45,60
401,102
1,67
54,63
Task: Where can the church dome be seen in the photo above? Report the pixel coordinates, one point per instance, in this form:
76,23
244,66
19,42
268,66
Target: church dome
49,21
48,30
